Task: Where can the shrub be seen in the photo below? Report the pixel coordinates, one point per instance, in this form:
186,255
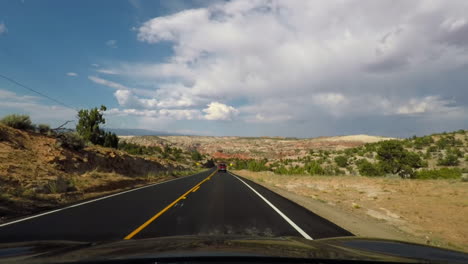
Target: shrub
421,142
43,128
195,155
314,168
341,161
366,168
333,170
449,160
396,160
432,149
18,121
111,140
71,140
443,173
256,165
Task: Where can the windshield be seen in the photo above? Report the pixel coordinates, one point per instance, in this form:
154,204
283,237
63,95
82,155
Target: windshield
128,120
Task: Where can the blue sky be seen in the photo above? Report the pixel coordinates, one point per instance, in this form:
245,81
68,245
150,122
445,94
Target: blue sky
249,68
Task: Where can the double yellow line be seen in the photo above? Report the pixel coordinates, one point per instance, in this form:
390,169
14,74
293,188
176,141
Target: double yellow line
183,196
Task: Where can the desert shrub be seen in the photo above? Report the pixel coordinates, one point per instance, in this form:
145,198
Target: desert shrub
350,151
70,140
455,151
449,160
370,147
448,141
281,170
443,173
314,168
195,155
432,149
421,142
136,149
43,128
18,121
366,168
333,170
110,140
256,165
461,131
395,159
341,161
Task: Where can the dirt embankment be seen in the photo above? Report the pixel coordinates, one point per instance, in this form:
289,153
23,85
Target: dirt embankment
425,211
36,173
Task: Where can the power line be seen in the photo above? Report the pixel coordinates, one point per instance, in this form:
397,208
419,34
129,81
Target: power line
39,93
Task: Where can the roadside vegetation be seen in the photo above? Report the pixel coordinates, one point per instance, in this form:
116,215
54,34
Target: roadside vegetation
437,156
43,167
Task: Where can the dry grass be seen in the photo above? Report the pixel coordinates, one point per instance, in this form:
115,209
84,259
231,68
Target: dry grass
434,210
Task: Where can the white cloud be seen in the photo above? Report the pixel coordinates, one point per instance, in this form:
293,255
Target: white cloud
299,61
218,111
112,43
176,114
95,65
3,28
39,112
107,83
428,104
72,74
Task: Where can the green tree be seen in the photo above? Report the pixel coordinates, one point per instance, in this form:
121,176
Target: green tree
88,127
396,160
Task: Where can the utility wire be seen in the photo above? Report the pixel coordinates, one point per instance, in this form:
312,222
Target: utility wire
39,93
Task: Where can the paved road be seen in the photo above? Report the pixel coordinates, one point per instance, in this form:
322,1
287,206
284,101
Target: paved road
209,203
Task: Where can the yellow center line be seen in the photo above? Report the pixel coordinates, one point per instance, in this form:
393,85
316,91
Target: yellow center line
196,189
183,196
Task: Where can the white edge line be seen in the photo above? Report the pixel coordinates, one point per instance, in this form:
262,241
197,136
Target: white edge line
87,202
298,229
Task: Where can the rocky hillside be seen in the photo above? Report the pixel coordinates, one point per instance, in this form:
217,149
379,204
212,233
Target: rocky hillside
254,147
38,171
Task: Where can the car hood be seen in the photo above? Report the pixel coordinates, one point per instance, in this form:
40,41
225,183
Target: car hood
195,247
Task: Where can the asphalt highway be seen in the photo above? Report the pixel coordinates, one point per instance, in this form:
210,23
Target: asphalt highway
208,203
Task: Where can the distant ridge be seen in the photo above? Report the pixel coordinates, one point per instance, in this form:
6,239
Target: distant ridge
139,132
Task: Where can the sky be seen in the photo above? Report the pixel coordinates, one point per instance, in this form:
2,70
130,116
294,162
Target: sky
241,68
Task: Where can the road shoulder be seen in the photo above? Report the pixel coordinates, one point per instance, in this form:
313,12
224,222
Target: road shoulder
356,224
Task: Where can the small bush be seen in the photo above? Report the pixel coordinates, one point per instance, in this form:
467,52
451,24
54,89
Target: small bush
449,160
71,141
341,161
195,155
43,128
443,173
18,121
366,168
314,168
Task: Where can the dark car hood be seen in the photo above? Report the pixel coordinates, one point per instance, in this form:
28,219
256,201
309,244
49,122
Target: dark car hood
195,247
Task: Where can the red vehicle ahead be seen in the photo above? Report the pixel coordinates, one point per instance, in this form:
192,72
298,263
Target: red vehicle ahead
222,167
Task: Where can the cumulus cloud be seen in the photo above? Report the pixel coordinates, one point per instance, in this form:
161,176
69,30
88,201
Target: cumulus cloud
72,74
112,43
218,111
3,28
296,61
